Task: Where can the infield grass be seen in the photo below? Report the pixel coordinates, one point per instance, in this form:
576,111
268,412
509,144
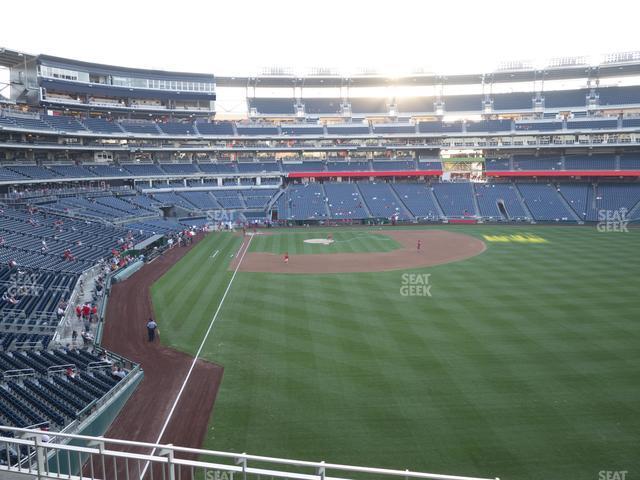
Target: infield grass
523,364
347,241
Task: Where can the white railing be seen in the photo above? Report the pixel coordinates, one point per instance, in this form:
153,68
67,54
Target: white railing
78,457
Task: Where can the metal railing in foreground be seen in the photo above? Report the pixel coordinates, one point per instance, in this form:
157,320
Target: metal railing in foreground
45,455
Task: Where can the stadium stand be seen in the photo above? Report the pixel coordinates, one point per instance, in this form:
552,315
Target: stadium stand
179,168
176,128
440,127
141,128
257,129
512,101
456,199
345,202
303,202
349,166
391,128
143,169
99,125
258,167
302,129
489,126
369,106
544,202
383,202
273,106
566,98
629,95
322,106
610,124
215,128
307,166
531,162
67,124
462,103
541,125
499,202
590,162
575,194
393,165
409,105
419,200
348,129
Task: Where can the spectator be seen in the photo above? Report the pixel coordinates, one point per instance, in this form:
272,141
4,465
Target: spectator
87,338
118,373
9,298
45,438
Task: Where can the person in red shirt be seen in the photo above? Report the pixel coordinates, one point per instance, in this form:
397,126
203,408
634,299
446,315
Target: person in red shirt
94,313
286,257
419,245
78,311
86,311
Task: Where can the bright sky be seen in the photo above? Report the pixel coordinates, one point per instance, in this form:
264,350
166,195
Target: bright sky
392,36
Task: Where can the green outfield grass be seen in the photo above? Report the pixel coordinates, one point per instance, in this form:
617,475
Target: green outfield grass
347,241
523,364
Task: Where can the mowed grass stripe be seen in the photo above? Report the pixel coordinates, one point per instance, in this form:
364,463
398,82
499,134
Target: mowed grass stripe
186,297
523,364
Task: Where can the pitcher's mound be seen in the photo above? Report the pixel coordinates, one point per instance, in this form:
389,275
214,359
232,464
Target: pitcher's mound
319,241
436,247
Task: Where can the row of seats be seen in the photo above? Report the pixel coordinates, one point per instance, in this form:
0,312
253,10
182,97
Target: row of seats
602,161
42,394
495,202
181,129
41,258
56,171
402,201
217,199
98,125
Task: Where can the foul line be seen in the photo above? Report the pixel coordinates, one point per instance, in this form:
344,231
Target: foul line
195,358
216,253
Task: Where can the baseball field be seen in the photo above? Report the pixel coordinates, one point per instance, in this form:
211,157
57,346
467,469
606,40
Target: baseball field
509,352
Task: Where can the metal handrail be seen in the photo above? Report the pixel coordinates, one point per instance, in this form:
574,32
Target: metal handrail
166,458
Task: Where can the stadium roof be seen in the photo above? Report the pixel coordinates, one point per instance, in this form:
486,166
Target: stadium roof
51,60
614,65
12,58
